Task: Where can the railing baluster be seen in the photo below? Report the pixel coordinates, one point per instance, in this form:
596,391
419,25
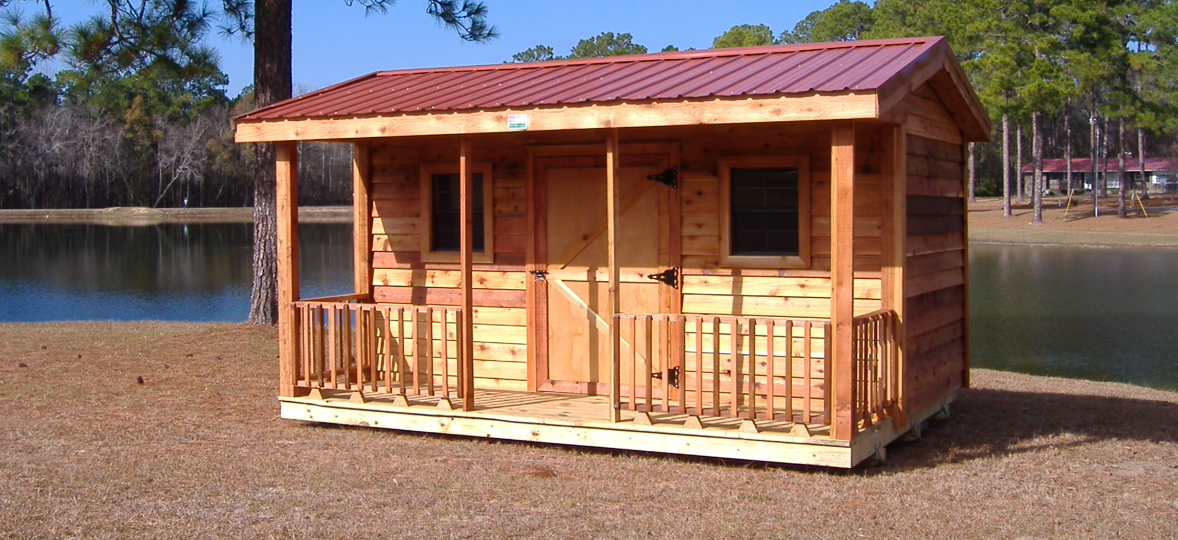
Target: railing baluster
734,353
699,365
789,370
752,399
661,349
429,353
807,382
826,362
716,366
333,350
633,362
770,379
402,350
648,364
445,355
386,328
371,346
347,346
416,326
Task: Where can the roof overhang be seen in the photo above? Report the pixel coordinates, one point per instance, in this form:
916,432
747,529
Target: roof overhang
793,108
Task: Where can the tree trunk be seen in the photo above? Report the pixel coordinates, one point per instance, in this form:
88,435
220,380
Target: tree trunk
1104,158
1006,165
1018,161
972,181
1122,212
1067,149
1141,163
1037,158
272,83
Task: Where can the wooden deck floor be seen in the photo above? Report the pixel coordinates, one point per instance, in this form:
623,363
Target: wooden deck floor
580,420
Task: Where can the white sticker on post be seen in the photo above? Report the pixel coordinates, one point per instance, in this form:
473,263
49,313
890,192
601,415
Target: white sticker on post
516,122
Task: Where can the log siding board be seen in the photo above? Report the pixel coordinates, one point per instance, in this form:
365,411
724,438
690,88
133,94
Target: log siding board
935,259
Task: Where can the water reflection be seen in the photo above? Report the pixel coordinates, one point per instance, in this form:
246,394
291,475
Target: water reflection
192,272
1103,314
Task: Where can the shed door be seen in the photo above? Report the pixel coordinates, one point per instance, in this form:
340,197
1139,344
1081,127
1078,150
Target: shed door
576,256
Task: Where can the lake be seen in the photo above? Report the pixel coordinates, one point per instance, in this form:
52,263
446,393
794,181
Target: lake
1103,314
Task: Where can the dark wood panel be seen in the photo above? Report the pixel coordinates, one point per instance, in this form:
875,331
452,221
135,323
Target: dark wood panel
934,206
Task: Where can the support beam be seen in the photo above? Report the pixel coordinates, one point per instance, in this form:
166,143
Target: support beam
842,255
611,198
895,235
362,218
466,238
287,190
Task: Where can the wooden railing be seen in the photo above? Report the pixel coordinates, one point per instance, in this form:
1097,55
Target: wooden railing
877,373
406,350
752,368
746,367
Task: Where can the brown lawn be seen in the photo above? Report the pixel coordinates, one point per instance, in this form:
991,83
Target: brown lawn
1156,226
197,451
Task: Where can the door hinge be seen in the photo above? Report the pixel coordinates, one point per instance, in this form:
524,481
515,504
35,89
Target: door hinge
669,177
540,275
669,276
672,377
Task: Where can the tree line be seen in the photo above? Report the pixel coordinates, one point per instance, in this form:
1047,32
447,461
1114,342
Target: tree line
1060,78
138,114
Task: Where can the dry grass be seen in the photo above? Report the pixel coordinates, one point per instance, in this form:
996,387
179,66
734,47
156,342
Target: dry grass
1156,228
197,451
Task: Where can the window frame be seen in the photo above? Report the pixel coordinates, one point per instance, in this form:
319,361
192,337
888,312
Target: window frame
428,170
727,258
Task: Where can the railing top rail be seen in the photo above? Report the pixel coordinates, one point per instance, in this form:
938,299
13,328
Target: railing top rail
333,302
337,298
722,318
877,313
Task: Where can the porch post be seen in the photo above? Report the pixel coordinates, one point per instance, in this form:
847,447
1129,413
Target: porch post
466,238
611,203
842,274
895,233
287,175
362,219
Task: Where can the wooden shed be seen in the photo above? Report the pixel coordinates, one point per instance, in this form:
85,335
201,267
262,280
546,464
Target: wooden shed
754,253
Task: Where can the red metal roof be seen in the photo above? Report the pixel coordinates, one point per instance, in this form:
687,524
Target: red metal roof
1079,165
753,71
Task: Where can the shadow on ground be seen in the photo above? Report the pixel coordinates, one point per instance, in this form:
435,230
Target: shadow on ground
987,423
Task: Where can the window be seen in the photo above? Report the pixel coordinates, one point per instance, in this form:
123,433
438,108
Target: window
765,212
441,212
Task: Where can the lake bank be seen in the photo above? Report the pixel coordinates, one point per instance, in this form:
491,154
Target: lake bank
131,216
1155,226
171,430
987,224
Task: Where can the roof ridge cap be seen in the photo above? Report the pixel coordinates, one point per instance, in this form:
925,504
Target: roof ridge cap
673,55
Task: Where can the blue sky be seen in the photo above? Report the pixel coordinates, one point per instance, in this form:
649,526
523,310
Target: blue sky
334,42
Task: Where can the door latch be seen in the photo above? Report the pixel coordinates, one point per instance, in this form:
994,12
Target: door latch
540,275
669,276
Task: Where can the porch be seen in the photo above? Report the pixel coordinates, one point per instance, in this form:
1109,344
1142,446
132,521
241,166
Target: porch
729,387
